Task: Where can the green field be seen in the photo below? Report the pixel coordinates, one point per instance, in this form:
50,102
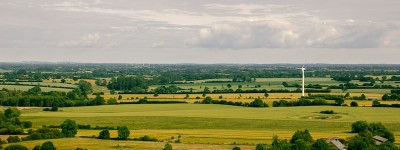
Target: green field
218,125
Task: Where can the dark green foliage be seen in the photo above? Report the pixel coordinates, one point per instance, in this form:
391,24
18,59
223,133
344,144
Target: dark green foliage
134,84
48,146
258,102
261,147
362,141
37,147
123,133
327,112
69,128
207,100
98,100
104,134
112,101
54,108
300,102
147,138
26,124
172,89
378,128
44,133
12,113
13,139
280,144
167,147
16,147
119,97
320,144
303,135
236,148
300,144
359,126
354,104
85,87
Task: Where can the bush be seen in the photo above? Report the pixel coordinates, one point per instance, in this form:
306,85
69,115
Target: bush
359,126
354,104
327,112
123,133
261,147
54,108
16,147
167,147
104,134
27,124
48,146
69,128
13,139
44,133
258,102
147,138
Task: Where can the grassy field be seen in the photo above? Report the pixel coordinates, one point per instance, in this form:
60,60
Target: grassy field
218,124
27,87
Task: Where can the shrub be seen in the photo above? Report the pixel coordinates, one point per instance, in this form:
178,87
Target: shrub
48,146
359,126
69,128
354,104
147,138
27,124
104,134
236,148
13,139
327,112
261,147
16,147
123,133
167,147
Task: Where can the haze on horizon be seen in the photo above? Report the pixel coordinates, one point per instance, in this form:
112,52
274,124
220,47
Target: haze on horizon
205,32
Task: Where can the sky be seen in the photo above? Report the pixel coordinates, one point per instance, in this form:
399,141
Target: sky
201,31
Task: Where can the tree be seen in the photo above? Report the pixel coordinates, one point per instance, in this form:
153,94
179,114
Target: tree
240,86
261,147
123,133
320,144
236,148
16,147
303,135
354,104
266,95
359,126
207,100
376,103
48,146
300,144
339,101
62,80
104,134
85,87
119,97
69,128
167,147
363,97
363,140
12,113
13,139
258,102
229,86
347,95
35,90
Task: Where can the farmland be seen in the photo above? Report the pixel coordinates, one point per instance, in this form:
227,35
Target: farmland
199,126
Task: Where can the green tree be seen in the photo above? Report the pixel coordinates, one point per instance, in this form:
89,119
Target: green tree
354,104
258,102
300,144
236,148
266,95
229,86
167,147
261,147
364,140
48,146
16,147
85,87
12,113
69,128
207,100
13,139
304,135
35,90
104,134
123,133
359,126
339,101
119,97
320,144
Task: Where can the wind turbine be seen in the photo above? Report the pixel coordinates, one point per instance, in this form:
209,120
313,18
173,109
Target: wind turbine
302,71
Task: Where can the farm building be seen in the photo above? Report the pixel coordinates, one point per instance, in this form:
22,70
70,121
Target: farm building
379,140
334,141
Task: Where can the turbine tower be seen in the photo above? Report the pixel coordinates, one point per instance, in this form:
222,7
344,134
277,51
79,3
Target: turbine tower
302,71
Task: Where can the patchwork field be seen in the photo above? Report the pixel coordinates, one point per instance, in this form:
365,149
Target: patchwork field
218,125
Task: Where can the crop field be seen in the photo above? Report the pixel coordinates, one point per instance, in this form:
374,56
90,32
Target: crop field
218,125
27,87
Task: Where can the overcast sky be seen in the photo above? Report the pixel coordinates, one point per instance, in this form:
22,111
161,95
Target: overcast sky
201,31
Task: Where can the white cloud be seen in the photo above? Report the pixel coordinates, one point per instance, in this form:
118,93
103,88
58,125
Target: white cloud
88,40
158,44
293,34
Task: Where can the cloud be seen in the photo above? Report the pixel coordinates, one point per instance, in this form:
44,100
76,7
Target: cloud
158,44
294,34
88,40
